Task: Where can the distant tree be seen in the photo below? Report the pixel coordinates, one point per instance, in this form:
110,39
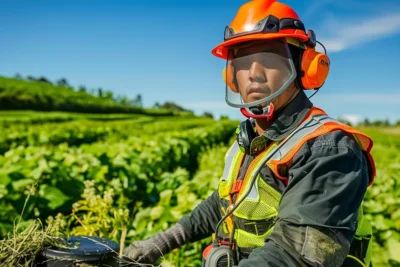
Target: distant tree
397,123
157,105
100,92
208,115
344,121
117,98
386,123
172,106
109,95
43,79
137,101
366,122
377,123
120,99
18,76
82,89
31,78
223,118
62,82
125,100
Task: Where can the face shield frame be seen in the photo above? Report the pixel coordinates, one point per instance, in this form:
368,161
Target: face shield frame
239,103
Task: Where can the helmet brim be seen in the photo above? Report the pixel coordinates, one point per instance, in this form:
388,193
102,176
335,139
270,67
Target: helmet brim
222,49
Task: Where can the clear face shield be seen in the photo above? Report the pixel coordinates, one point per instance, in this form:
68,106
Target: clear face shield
257,73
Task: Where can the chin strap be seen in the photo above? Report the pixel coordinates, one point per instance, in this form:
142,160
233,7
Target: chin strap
267,116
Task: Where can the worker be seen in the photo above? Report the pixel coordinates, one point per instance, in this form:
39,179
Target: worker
295,178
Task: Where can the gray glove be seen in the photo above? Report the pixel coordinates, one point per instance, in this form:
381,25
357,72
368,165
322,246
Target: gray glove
149,251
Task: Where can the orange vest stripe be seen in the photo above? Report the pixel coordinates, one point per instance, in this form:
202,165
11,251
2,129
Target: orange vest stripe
363,140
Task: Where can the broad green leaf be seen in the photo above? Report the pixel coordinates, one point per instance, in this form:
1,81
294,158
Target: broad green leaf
4,179
165,198
54,195
141,219
100,175
68,159
21,185
156,213
396,215
374,207
3,190
394,249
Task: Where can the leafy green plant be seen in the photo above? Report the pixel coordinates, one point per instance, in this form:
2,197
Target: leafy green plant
127,179
132,167
382,201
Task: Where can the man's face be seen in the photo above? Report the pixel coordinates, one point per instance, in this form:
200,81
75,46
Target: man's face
261,69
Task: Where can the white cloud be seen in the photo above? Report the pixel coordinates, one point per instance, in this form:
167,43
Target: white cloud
347,34
358,106
316,5
354,119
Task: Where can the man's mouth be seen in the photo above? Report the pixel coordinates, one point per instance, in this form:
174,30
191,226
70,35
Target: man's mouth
258,90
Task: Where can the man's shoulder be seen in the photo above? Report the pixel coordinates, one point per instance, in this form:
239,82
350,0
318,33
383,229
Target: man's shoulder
331,143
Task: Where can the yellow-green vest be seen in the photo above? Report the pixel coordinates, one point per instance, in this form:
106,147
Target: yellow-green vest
262,202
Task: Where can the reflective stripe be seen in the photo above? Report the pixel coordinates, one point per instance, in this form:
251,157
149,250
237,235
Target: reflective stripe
304,129
229,160
253,195
277,152
233,161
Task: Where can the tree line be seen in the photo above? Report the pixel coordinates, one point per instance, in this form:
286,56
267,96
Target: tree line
97,92
372,123
42,94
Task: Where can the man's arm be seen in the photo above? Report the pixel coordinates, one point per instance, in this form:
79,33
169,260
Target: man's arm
203,219
198,225
318,210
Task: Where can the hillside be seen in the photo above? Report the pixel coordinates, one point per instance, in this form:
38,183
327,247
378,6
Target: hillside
19,94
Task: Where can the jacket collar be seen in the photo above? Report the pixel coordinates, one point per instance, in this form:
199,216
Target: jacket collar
289,117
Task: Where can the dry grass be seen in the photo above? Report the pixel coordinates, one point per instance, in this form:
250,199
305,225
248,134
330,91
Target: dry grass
21,247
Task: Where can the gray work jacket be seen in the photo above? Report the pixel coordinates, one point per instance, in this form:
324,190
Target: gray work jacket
318,210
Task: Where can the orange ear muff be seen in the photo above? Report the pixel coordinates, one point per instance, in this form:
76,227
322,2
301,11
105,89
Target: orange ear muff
227,76
315,66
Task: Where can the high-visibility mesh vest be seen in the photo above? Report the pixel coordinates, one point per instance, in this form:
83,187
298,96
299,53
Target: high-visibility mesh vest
262,202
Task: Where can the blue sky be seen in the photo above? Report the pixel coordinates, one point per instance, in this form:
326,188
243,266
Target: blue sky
161,49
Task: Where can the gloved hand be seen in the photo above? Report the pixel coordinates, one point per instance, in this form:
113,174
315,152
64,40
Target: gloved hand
149,251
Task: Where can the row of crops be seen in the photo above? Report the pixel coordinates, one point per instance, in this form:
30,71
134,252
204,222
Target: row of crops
129,178
102,177
382,201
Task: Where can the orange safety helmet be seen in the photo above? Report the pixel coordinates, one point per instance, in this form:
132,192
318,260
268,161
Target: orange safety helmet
269,19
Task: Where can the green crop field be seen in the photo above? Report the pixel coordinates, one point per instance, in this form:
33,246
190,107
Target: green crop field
129,176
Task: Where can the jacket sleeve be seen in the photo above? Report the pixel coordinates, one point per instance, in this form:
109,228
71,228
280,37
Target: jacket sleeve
318,210
203,219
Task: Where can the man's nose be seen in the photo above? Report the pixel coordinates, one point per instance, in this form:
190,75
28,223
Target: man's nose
256,73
